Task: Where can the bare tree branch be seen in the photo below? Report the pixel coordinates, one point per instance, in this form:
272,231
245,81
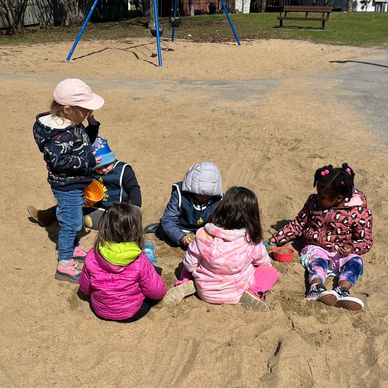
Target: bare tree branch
13,12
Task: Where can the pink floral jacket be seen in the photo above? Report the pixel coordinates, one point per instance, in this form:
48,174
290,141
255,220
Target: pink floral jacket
332,228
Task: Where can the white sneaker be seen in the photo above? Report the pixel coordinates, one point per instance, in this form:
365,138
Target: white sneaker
176,294
346,301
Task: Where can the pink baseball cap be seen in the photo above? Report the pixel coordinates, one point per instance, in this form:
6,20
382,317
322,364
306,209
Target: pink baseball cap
74,92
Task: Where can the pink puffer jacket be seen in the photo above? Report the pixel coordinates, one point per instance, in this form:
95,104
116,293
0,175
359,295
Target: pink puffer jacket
117,292
332,228
223,263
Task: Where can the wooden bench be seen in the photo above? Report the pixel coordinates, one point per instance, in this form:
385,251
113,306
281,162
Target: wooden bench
313,14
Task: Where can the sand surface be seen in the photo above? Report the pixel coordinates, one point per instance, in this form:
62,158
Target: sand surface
265,116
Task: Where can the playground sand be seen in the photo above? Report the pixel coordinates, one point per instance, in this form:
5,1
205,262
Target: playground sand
265,116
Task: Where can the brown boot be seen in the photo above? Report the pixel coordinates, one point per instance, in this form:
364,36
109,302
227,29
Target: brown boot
253,302
42,217
176,294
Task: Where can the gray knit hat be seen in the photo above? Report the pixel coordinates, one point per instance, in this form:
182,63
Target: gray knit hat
203,178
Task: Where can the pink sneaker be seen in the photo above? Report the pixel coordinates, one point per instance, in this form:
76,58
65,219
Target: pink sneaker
79,253
181,281
67,270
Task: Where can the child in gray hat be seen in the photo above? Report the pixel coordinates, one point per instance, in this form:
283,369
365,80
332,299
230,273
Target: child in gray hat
191,202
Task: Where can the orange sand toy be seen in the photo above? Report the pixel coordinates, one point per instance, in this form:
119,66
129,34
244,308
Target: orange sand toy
93,193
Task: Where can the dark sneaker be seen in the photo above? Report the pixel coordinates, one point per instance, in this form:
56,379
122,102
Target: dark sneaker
68,272
346,301
253,302
151,228
176,294
319,293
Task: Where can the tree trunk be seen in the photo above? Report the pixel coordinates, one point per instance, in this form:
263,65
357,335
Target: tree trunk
191,6
14,12
75,11
350,6
72,16
152,14
20,16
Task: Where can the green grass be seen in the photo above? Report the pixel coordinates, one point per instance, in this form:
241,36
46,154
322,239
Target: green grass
357,29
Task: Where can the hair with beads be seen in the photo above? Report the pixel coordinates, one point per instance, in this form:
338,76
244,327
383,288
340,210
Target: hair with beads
239,209
121,222
337,181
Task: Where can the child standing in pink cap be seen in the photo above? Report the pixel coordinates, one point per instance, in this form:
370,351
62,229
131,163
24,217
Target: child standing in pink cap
67,150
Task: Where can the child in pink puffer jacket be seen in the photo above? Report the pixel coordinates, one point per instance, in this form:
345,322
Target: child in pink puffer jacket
227,259
119,278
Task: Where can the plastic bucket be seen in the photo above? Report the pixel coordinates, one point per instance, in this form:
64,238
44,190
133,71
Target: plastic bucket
93,193
282,254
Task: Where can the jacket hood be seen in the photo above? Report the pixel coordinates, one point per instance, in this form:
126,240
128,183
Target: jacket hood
45,132
224,234
219,248
358,199
203,178
120,254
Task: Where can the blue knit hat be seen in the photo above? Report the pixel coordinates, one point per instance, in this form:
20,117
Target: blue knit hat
101,147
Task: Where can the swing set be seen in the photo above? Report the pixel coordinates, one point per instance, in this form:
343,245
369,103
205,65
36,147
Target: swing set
156,30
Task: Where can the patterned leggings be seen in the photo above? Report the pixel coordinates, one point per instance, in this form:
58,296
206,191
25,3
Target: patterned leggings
350,271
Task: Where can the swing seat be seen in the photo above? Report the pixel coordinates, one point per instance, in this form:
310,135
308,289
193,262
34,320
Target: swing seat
175,21
153,30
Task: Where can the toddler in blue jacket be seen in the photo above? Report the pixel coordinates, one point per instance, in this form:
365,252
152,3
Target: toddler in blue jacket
191,202
118,180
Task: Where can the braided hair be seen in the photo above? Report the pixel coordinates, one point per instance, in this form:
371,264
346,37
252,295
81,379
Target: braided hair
337,181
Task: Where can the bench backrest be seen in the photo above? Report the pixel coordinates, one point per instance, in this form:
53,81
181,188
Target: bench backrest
301,8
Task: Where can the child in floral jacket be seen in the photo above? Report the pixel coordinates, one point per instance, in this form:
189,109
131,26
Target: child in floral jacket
336,227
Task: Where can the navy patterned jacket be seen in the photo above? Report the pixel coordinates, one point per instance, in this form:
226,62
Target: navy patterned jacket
68,154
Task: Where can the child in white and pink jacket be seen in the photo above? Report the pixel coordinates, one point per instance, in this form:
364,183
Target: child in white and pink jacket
227,260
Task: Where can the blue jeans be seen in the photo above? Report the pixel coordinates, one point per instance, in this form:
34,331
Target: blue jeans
69,216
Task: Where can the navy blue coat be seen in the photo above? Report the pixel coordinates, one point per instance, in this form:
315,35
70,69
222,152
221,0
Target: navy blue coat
68,154
183,214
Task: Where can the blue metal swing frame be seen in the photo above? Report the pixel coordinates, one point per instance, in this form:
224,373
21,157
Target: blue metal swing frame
160,62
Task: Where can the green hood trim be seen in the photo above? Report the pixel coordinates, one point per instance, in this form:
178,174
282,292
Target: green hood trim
119,253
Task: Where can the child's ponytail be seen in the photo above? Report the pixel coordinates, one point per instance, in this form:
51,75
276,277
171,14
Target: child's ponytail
348,170
323,174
